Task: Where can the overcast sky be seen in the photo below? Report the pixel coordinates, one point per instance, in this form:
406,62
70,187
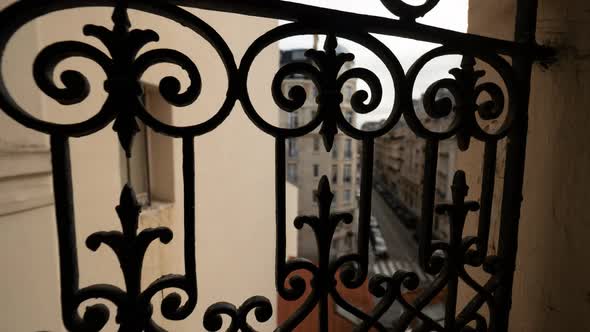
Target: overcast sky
448,14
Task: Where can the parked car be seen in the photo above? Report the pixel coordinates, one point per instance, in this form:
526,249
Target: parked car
377,240
374,223
381,252
381,248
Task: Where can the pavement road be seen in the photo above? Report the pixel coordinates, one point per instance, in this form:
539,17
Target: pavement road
401,246
399,240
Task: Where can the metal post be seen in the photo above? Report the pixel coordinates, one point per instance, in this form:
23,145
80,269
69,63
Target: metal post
526,19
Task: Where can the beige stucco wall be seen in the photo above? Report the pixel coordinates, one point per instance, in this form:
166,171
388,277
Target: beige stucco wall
29,263
234,167
551,290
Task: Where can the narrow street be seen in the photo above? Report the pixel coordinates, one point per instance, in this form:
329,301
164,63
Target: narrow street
399,240
403,255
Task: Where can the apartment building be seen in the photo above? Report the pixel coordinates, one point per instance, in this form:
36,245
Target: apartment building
399,167
308,160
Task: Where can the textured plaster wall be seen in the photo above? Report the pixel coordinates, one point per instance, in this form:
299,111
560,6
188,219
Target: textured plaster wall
552,289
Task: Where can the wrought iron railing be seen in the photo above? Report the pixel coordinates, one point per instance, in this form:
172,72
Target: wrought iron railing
445,261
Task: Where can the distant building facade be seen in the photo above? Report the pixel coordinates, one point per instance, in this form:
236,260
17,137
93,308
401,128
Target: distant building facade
308,160
399,167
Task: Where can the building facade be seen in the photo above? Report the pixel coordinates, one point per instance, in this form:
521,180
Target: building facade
308,160
399,168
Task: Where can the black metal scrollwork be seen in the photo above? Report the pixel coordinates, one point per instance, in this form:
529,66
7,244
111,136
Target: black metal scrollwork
449,260
124,67
134,309
261,306
323,282
325,74
465,91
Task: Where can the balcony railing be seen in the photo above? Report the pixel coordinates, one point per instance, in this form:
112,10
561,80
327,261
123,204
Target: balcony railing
124,63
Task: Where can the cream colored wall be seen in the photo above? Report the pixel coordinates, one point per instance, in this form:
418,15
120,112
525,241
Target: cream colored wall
29,264
291,213
551,290
234,167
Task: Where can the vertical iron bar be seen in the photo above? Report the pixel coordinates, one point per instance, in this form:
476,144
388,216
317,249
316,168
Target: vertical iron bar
66,229
147,142
147,165
188,173
280,210
324,312
365,202
428,193
487,198
452,293
322,281
525,28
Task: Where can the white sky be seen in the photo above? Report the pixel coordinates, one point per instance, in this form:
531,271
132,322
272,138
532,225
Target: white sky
448,14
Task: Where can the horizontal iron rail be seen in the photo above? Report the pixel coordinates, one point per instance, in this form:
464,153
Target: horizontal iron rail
312,15
328,19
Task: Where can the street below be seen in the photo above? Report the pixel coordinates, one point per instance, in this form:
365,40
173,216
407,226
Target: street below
401,245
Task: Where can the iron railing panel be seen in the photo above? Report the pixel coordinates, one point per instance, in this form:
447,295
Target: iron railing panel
446,261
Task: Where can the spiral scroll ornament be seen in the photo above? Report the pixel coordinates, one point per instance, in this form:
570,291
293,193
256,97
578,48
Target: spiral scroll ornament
212,320
462,100
450,260
124,69
134,310
327,274
326,70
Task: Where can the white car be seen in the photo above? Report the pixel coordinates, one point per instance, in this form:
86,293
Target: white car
374,222
380,248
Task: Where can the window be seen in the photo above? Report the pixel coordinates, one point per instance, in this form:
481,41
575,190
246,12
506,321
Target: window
348,149
347,173
292,147
315,196
349,240
334,174
316,170
347,196
292,172
140,168
293,120
336,243
136,169
316,144
335,150
349,117
348,93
